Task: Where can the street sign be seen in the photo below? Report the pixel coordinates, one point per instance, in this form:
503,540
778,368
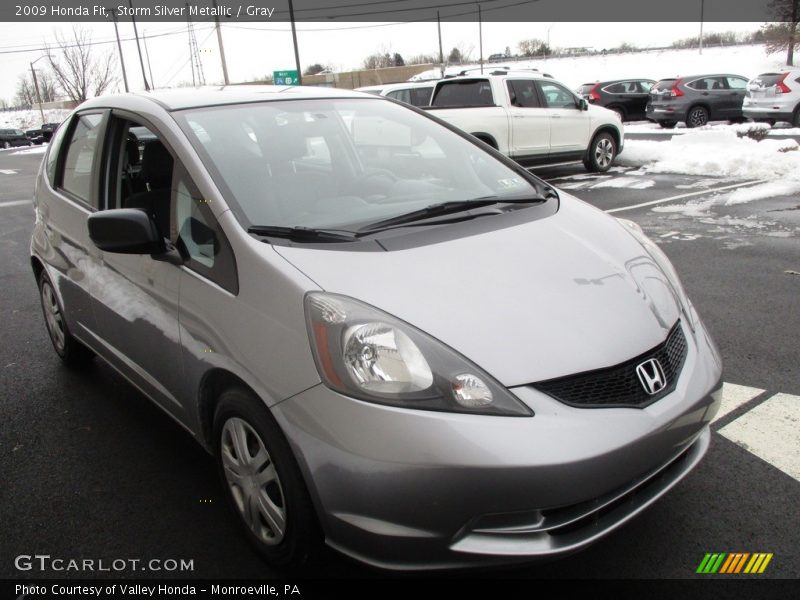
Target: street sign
285,78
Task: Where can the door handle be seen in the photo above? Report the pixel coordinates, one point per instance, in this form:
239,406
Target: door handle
556,116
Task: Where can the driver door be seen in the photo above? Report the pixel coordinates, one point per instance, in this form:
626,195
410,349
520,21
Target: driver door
569,125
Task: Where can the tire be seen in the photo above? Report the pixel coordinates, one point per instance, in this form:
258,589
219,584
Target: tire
668,124
602,152
697,117
796,117
6,145
72,352
267,494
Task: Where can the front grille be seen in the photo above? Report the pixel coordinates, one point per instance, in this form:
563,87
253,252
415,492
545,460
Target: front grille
619,385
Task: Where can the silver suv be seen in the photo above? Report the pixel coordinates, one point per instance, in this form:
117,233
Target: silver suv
392,338
773,97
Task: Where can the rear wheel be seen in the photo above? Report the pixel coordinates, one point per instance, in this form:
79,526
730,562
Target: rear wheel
263,483
602,152
697,116
69,349
796,117
668,124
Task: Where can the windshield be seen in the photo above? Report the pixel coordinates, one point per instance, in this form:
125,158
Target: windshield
339,164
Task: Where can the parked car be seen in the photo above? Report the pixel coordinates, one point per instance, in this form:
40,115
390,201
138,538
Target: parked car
35,136
498,57
48,129
773,97
531,118
696,100
626,97
381,329
416,93
13,137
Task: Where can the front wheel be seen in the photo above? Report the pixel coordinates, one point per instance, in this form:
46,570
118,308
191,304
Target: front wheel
697,117
602,152
263,483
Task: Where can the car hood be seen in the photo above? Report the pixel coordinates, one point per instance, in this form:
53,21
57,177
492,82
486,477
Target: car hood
564,294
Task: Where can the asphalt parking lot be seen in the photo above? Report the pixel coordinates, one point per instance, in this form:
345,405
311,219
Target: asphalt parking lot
90,468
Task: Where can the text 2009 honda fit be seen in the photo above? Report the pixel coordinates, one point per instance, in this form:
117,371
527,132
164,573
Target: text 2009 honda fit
393,339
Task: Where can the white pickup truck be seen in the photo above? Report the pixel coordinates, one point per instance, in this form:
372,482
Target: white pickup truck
531,118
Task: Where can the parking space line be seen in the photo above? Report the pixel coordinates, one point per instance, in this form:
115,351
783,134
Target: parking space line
15,203
688,195
771,431
734,396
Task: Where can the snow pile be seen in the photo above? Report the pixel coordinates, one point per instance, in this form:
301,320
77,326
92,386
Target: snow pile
31,119
763,190
681,129
34,150
716,153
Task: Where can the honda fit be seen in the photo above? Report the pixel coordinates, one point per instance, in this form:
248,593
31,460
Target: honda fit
394,340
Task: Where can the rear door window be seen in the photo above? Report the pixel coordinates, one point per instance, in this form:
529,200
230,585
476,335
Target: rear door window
736,83
522,93
81,151
464,93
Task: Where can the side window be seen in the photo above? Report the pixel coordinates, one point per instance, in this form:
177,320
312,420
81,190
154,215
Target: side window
421,96
76,177
198,235
557,96
735,83
56,143
523,93
402,95
617,88
646,86
465,93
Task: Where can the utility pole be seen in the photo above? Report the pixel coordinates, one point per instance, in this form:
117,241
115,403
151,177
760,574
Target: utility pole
702,7
36,85
119,47
138,47
441,52
294,40
147,56
221,47
480,36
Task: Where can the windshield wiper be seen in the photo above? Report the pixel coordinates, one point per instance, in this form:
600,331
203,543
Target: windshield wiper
444,208
303,234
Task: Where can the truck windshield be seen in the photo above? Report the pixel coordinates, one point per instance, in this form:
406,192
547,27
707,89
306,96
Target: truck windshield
341,163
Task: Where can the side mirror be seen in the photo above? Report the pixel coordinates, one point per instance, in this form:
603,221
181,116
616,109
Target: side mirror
126,231
583,104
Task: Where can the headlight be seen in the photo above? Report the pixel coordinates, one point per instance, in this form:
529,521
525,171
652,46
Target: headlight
658,256
370,355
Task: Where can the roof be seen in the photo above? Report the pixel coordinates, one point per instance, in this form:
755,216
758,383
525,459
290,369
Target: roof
182,98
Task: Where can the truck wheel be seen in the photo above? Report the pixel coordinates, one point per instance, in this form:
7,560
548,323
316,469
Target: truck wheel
602,152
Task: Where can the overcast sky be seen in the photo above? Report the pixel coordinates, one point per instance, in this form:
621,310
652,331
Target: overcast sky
255,49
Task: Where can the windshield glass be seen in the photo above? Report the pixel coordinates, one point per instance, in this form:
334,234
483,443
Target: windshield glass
340,163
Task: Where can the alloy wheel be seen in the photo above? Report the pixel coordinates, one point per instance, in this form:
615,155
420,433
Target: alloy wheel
253,481
53,317
698,117
603,152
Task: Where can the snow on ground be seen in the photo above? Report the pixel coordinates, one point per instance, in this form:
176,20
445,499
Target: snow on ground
34,150
31,119
716,153
680,129
747,61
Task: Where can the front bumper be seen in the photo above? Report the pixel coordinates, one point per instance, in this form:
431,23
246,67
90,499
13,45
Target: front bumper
406,489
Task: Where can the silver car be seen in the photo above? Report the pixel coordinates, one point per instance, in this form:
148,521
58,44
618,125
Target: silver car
393,339
773,97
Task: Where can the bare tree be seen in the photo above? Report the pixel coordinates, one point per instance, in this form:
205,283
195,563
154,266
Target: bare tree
26,90
80,71
784,34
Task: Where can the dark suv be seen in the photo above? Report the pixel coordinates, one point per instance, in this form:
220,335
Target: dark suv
698,99
627,97
13,137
